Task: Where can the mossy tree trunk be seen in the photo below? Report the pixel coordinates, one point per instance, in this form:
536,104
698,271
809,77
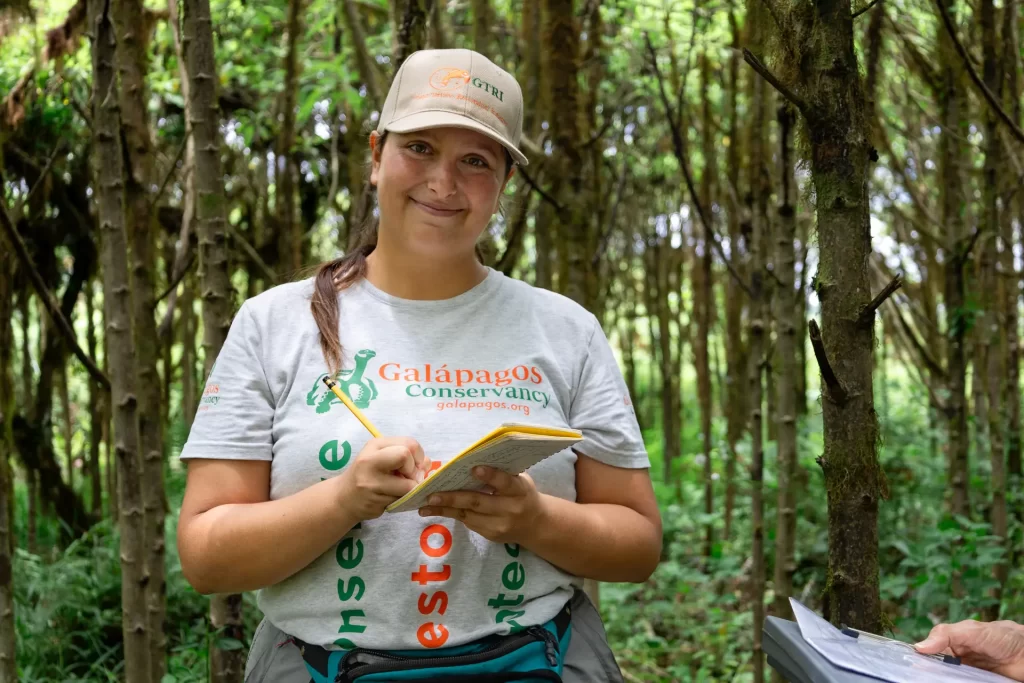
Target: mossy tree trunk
226,666
992,332
95,412
1011,89
823,83
140,176
786,311
953,206
289,228
735,391
117,301
8,661
703,302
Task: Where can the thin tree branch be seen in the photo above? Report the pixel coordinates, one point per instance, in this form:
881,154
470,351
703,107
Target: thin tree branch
867,316
680,153
836,391
252,253
980,84
67,331
865,8
963,256
20,207
548,198
767,75
602,243
926,71
905,350
933,365
170,172
178,277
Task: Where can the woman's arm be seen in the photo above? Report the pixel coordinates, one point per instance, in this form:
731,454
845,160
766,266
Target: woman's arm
611,533
231,538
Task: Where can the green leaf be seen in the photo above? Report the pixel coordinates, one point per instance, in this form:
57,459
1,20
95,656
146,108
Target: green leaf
229,644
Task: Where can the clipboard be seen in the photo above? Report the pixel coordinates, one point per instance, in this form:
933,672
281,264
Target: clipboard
797,662
811,649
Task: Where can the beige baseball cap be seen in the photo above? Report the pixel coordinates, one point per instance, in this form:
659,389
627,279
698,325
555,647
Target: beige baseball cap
458,88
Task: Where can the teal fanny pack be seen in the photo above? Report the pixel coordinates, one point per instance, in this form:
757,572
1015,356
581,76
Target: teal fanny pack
535,653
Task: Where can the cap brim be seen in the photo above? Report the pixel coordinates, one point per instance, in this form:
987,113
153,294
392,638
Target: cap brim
445,119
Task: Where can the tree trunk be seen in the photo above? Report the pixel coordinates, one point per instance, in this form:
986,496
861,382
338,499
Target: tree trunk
290,242
1012,78
8,660
367,67
991,332
786,311
226,666
410,23
482,22
703,302
117,303
32,524
758,332
95,413
628,335
26,350
438,41
189,397
801,320
735,359
67,426
561,33
131,39
953,202
840,148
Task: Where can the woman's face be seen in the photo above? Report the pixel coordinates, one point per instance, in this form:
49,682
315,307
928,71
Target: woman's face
437,189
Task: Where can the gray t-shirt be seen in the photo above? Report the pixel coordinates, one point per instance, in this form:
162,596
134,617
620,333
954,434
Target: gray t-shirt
444,372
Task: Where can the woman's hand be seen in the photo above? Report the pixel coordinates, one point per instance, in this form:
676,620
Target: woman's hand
385,470
505,516
995,646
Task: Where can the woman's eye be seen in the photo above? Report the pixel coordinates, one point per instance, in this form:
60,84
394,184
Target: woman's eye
419,148
478,162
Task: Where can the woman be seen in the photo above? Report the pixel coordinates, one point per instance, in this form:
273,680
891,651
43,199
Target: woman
286,491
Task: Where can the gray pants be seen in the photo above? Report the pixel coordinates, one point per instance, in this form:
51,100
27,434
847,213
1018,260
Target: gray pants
273,658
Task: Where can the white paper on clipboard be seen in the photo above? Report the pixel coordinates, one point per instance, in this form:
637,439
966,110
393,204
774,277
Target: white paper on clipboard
891,662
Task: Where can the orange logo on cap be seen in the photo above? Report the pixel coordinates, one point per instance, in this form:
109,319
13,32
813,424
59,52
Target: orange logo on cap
447,78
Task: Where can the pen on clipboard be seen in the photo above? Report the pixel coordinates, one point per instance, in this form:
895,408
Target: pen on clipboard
854,633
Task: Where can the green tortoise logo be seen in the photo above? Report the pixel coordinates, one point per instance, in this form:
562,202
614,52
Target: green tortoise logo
352,382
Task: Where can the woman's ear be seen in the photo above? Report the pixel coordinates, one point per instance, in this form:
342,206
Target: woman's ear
511,172
376,147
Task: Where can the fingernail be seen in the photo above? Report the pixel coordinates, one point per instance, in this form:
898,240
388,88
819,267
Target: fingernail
434,500
480,471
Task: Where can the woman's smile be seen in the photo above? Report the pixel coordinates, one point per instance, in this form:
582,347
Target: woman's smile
435,210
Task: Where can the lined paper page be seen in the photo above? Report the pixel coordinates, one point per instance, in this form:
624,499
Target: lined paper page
512,453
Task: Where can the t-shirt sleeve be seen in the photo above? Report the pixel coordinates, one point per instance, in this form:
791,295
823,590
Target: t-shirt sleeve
236,412
601,409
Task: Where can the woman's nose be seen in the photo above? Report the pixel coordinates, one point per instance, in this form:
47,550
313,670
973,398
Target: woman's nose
441,178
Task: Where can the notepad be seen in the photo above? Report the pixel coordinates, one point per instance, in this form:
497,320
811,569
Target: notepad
511,448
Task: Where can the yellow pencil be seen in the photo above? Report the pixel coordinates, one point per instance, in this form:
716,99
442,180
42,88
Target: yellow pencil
333,386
